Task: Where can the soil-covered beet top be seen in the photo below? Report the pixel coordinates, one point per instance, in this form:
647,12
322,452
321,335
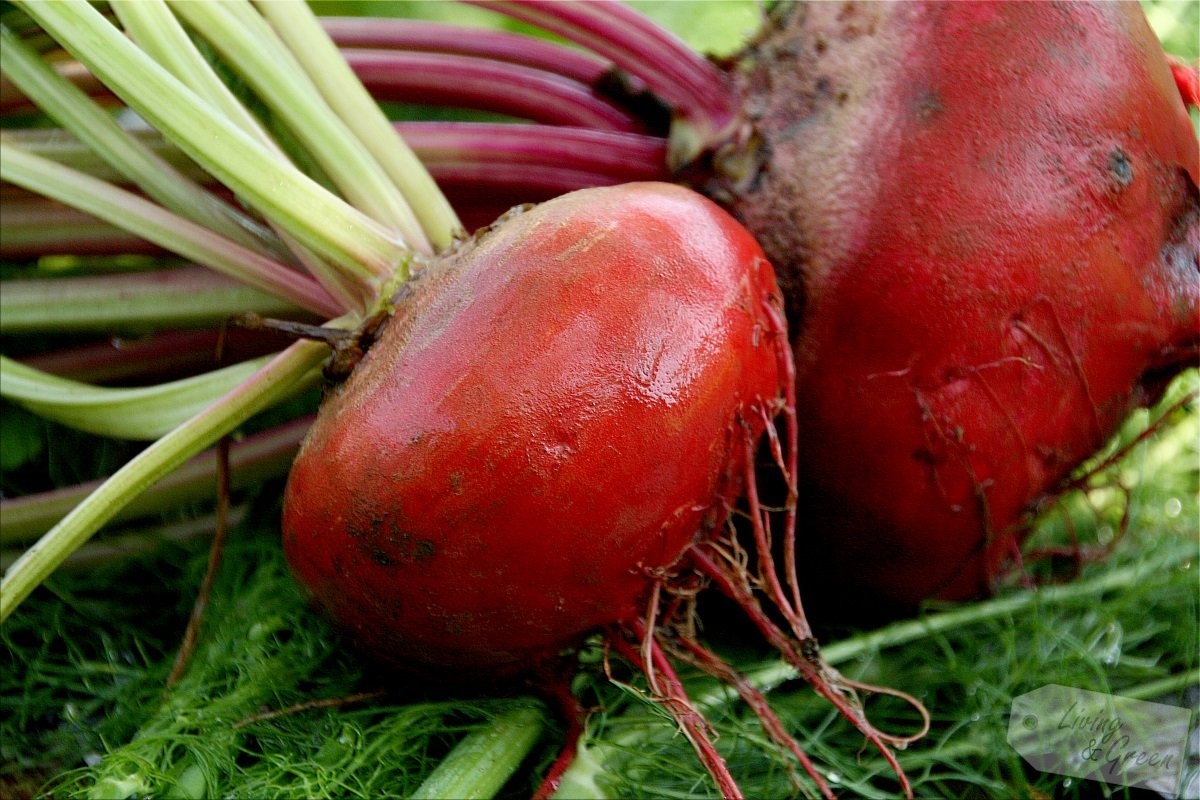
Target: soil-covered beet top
550,419
995,242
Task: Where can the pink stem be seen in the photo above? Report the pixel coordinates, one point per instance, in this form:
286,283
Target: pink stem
254,269
35,226
621,156
11,97
437,37
536,182
451,79
486,85
687,81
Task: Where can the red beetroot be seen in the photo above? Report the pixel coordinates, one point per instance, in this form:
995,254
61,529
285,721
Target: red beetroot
546,440
991,211
551,416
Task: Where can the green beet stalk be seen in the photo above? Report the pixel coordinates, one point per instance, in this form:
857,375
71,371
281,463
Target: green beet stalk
250,45
279,379
480,764
77,112
360,246
317,53
158,225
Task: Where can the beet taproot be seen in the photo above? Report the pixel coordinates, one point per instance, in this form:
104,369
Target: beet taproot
985,216
551,416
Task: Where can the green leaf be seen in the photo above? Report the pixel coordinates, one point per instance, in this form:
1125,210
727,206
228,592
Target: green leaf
716,28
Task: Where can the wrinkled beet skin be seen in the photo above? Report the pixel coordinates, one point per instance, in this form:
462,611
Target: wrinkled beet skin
551,412
984,216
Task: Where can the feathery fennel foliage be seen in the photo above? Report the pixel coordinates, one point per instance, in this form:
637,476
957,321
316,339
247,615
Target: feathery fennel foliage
86,713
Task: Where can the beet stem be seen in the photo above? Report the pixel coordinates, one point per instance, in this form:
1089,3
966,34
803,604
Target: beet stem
532,181
620,156
690,83
487,85
526,161
438,37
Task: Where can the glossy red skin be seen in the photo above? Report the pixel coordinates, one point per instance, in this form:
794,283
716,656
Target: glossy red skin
551,412
987,215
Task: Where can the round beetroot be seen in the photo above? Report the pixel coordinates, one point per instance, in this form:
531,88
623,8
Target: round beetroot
551,416
985,218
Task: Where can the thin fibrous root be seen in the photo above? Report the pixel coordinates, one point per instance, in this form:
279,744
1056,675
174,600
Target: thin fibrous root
216,550
804,656
1079,553
1082,481
690,650
674,699
725,562
788,462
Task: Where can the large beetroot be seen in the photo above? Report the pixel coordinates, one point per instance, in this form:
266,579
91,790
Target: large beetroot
554,415
991,212
550,418
547,441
